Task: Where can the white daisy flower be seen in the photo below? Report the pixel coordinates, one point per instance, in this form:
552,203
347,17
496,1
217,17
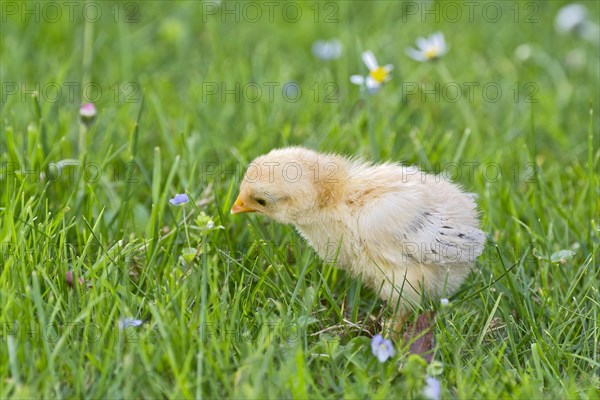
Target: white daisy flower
327,49
430,49
377,75
573,18
570,18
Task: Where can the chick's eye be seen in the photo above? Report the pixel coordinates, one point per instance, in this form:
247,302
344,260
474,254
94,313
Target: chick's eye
261,202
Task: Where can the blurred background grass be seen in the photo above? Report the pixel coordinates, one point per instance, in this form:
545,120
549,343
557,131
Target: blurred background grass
161,130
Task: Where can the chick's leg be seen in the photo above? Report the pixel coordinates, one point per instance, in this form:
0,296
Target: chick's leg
394,325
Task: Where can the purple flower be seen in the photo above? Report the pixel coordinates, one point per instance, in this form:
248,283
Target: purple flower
433,388
87,113
87,110
179,199
127,322
382,348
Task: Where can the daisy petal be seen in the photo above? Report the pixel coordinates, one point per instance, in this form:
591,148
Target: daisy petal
357,79
440,42
372,83
369,60
415,54
422,43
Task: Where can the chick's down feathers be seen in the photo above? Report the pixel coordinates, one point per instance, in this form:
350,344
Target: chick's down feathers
399,229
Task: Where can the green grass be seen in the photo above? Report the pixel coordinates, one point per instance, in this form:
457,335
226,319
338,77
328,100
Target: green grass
255,313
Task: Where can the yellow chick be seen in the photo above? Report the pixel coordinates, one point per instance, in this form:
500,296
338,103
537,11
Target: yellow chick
401,230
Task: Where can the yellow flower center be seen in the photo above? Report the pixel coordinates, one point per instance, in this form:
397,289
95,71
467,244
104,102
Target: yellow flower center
431,52
379,74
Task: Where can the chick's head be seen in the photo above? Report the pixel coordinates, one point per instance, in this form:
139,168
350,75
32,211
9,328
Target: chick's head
288,185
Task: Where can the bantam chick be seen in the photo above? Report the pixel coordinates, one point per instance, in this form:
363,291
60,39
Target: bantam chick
402,231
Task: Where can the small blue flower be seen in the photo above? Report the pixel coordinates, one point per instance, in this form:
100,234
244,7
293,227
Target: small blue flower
432,389
382,348
179,199
127,322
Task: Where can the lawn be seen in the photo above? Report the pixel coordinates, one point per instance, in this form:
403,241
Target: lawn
107,290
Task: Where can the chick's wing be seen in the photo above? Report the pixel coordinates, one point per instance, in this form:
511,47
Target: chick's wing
401,227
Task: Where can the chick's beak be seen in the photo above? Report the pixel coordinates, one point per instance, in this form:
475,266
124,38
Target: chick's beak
239,207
